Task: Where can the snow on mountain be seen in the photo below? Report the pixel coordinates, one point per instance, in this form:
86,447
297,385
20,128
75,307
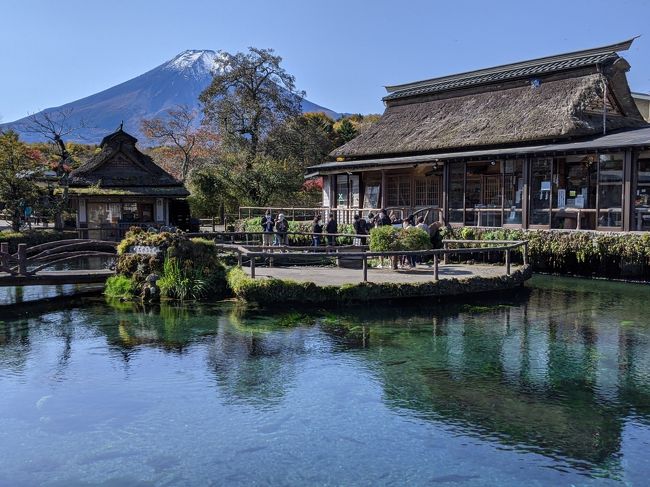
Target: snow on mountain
178,81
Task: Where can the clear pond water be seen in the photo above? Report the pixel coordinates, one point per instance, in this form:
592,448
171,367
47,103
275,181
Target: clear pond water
550,387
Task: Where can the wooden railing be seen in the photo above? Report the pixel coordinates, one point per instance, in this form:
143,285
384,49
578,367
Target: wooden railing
288,252
27,261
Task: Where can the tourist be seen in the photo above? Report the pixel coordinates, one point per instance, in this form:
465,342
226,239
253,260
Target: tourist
332,228
422,225
281,230
383,219
359,229
317,230
267,229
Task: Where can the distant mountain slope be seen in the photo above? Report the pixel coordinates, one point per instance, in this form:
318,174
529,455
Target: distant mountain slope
176,82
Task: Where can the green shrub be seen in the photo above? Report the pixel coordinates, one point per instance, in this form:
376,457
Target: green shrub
119,287
414,238
181,281
253,225
581,252
384,239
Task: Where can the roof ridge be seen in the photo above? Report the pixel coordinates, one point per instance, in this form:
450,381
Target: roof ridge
393,90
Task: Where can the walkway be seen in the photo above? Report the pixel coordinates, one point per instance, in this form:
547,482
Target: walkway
46,278
324,276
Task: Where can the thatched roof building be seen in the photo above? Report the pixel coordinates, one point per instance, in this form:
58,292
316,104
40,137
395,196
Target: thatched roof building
121,187
121,166
556,142
547,99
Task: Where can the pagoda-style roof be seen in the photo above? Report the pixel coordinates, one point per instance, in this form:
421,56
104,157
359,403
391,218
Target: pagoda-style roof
550,99
120,164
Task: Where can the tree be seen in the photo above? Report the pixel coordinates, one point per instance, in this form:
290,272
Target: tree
250,96
180,131
18,164
55,125
306,139
345,131
235,181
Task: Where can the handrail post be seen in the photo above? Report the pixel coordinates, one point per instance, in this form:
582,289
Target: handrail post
446,249
4,248
252,267
338,258
365,268
22,259
526,252
435,266
239,258
507,262
213,225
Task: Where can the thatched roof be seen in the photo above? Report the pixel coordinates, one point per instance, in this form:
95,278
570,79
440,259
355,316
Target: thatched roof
120,164
525,103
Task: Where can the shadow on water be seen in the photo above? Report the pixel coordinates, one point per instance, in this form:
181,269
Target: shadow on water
555,368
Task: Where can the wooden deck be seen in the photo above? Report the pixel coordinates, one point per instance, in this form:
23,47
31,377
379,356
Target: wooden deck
49,278
335,276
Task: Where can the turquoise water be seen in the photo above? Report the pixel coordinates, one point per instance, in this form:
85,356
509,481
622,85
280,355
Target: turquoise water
548,387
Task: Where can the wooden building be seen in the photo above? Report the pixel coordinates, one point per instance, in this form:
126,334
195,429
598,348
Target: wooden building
121,187
556,142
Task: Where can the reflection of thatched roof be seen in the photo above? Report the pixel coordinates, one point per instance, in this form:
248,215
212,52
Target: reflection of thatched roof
521,103
121,164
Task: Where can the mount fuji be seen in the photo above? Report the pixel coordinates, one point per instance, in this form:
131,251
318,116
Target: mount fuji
176,82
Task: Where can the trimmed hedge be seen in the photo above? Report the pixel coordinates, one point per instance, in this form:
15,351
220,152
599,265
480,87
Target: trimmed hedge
33,237
270,291
603,254
254,225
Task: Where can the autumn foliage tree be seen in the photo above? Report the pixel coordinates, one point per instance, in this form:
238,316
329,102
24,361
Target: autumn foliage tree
18,165
182,139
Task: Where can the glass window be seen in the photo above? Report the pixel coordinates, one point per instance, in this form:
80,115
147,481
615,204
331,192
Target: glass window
610,190
642,196
399,190
484,194
342,191
540,191
513,190
456,191
427,191
574,199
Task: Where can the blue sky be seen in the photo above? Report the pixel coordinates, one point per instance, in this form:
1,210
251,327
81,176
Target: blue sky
342,52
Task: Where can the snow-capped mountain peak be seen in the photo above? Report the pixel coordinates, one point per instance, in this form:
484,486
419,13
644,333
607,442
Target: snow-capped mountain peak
198,61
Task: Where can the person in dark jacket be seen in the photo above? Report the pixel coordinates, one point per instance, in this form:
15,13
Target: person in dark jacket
317,230
359,229
331,228
267,227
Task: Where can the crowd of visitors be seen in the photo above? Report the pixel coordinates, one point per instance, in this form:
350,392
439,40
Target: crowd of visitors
275,230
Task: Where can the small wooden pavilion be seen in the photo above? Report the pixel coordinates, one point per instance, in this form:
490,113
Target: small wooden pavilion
555,142
121,187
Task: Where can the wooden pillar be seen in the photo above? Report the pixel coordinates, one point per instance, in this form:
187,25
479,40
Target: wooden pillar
526,253
365,268
22,259
524,195
239,258
445,258
507,262
435,266
382,190
252,267
4,248
628,191
338,258
445,192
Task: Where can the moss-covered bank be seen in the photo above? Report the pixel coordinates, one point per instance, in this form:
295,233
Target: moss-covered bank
583,253
269,291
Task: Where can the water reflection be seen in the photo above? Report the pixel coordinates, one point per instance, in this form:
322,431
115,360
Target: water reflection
561,369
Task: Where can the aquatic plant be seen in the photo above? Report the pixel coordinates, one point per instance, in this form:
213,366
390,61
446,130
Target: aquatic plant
119,286
182,281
